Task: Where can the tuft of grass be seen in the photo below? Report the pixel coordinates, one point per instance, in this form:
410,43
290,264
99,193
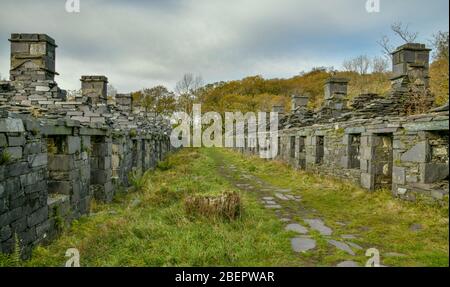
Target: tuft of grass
5,158
226,205
164,165
14,259
139,181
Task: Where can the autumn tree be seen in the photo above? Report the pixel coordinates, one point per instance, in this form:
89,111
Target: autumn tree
439,68
158,100
136,98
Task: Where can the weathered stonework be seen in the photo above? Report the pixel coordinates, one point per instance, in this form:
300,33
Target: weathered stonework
58,155
373,142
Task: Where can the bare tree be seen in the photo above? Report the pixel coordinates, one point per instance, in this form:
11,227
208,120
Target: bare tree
189,84
187,89
360,65
400,30
379,65
403,32
348,66
111,91
385,44
363,64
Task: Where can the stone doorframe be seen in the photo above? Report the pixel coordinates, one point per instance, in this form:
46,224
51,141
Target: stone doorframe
370,142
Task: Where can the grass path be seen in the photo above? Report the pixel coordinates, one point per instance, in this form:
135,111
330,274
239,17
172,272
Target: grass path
406,234
150,227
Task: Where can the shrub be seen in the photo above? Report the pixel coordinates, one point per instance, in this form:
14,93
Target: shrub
227,205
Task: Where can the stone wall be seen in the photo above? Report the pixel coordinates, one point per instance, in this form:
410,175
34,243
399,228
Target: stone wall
373,141
23,184
59,155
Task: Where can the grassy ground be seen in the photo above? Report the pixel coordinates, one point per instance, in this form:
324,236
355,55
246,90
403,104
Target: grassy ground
151,228
378,219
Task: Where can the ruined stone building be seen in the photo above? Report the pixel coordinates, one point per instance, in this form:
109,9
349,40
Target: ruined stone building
395,141
57,154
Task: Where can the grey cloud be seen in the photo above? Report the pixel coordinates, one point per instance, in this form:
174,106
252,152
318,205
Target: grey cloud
143,43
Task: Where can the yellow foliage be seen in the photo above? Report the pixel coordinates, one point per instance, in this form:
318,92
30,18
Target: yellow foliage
136,97
376,83
257,94
439,80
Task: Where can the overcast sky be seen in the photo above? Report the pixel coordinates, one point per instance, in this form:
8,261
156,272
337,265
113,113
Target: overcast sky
140,44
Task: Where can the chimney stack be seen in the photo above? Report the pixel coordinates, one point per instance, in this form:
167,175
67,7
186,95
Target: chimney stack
335,95
336,88
32,57
298,101
411,62
94,89
278,109
124,101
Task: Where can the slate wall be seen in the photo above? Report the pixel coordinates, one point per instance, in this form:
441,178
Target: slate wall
50,173
414,163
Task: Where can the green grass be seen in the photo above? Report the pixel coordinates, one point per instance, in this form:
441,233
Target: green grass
150,228
378,219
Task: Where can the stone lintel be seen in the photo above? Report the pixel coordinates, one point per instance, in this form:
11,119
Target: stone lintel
56,130
92,132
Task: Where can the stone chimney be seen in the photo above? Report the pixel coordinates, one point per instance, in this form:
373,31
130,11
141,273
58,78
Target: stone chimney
32,57
94,89
410,61
335,95
336,88
298,101
124,102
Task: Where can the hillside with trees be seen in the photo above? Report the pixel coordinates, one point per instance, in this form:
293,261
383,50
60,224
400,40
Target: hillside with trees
255,93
